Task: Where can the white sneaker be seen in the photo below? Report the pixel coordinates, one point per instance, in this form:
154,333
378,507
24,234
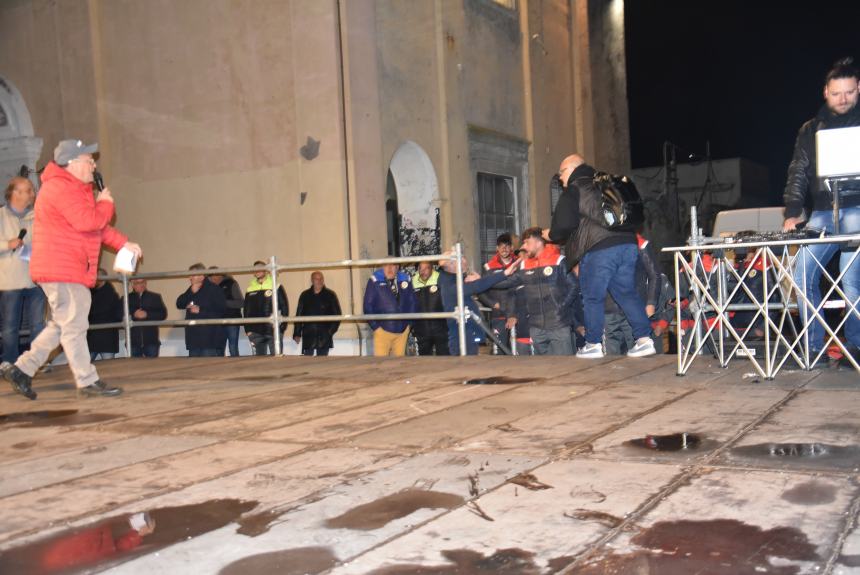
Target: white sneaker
644,346
4,366
590,351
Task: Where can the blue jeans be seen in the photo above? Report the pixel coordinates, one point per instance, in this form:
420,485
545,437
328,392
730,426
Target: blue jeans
849,223
12,304
232,339
611,270
146,350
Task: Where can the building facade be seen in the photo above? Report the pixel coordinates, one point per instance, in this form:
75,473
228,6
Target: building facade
320,130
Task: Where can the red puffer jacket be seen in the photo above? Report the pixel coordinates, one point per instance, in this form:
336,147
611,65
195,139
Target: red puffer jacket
69,229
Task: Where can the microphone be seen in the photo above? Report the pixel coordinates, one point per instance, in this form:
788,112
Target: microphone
21,235
98,180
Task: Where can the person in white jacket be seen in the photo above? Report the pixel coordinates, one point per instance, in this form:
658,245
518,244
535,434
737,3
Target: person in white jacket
19,296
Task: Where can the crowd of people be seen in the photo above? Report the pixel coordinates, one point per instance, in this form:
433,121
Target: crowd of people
577,287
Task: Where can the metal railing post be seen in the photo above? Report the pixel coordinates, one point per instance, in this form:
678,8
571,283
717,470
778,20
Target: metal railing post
461,305
276,312
126,317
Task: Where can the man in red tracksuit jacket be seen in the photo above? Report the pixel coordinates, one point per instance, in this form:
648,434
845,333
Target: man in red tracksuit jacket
69,228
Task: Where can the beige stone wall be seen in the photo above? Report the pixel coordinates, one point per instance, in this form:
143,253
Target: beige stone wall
200,108
46,51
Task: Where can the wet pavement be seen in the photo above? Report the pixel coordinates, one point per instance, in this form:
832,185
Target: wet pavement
432,465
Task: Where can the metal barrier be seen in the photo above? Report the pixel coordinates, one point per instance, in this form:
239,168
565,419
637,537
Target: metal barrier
461,313
712,298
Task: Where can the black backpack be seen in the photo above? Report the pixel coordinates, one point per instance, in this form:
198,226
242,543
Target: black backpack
621,204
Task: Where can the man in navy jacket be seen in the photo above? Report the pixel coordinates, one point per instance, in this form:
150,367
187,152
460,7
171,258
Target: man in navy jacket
390,291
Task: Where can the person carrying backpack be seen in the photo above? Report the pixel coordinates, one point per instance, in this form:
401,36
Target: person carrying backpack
591,218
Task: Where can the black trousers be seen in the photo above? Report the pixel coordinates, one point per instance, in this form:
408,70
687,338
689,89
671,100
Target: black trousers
428,344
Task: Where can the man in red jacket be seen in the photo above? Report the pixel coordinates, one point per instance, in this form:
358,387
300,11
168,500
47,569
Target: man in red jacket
69,228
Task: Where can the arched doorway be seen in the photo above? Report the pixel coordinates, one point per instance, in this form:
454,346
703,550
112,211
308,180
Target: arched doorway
18,147
412,203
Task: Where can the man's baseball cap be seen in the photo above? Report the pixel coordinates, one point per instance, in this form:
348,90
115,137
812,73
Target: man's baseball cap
68,150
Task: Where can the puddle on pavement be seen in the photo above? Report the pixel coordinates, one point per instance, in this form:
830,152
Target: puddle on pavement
275,377
811,493
53,418
499,381
379,513
716,547
298,561
671,442
468,562
112,541
801,454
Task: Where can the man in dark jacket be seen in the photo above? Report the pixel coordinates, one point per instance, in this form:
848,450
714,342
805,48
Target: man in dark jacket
549,294
144,305
839,111
203,300
233,296
606,259
106,307
258,303
432,334
501,301
316,337
389,290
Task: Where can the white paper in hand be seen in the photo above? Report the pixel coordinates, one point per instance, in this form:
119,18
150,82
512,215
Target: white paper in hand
125,262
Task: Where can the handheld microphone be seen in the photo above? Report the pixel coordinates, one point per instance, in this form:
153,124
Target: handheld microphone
98,180
21,235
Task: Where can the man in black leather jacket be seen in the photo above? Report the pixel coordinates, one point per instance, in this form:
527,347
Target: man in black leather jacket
839,111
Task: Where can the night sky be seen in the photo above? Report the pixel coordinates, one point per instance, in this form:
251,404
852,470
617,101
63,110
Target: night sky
744,75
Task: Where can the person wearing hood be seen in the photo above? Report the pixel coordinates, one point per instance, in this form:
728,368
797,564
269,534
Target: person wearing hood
18,294
389,290
840,110
69,228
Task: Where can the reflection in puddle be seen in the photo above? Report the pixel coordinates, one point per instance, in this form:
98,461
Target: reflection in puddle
672,442
716,547
468,562
499,381
51,418
379,513
120,538
801,454
299,561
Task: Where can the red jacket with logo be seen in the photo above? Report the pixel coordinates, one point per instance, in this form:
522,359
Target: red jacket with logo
69,229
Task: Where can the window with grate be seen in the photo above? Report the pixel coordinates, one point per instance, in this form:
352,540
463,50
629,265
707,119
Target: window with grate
497,211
